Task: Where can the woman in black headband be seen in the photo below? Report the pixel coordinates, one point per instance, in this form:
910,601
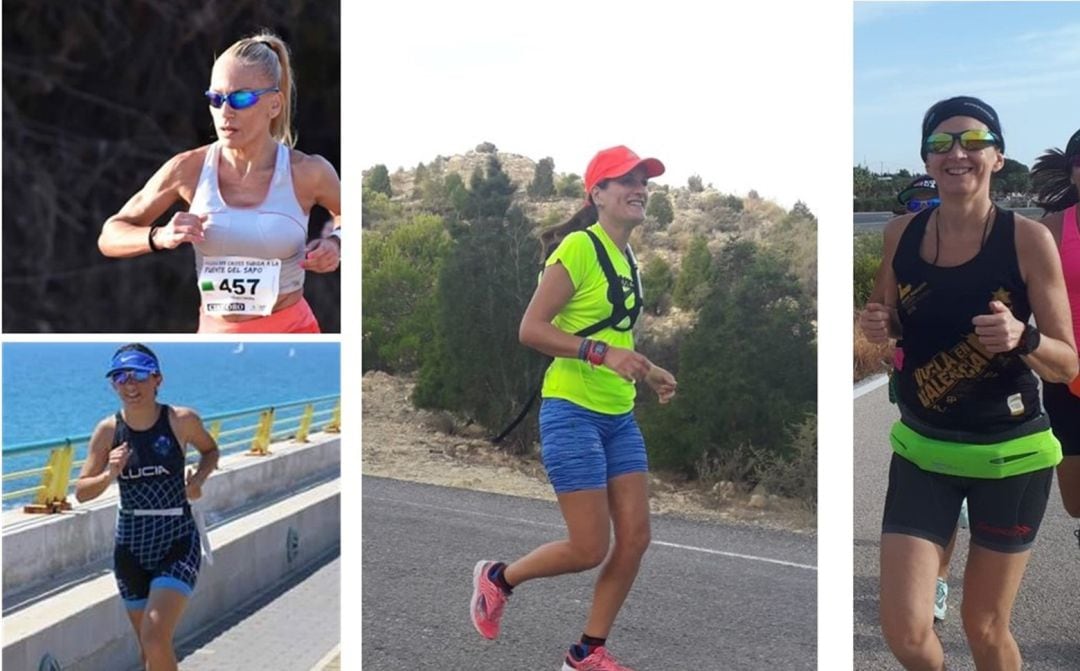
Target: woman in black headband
1056,179
959,282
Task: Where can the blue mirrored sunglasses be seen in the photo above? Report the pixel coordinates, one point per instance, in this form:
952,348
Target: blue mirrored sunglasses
125,376
916,205
237,100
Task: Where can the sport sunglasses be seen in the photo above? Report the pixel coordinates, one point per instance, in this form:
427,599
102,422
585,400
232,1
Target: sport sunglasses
125,376
237,100
970,140
916,205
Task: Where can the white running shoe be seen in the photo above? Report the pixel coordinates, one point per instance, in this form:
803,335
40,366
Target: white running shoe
940,597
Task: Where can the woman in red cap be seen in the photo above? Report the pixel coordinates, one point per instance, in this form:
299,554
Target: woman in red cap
959,283
1056,179
582,314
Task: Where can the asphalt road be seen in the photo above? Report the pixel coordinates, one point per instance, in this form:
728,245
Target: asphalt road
708,597
1046,618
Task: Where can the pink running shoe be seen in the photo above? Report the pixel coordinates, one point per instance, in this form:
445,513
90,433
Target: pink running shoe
598,660
487,602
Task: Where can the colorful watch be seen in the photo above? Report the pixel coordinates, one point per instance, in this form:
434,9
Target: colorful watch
597,352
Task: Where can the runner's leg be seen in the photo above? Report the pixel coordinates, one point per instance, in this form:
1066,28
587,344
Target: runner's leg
136,617
991,581
1068,472
586,545
628,497
159,622
908,575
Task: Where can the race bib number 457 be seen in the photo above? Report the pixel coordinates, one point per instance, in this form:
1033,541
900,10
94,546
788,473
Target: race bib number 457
239,285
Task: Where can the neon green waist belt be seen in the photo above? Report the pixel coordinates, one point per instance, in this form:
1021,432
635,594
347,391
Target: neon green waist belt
992,461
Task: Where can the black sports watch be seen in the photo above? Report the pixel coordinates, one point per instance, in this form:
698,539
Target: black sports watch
1029,340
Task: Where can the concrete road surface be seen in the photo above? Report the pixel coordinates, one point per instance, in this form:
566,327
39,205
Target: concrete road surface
708,597
1046,619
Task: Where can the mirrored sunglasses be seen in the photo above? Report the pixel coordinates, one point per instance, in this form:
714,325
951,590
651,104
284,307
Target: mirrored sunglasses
970,140
237,100
916,205
125,376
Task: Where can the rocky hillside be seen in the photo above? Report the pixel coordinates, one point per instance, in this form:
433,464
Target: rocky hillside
710,213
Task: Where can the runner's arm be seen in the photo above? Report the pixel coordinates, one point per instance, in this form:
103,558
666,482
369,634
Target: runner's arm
1055,359
883,297
537,331
193,432
319,179
327,188
97,474
551,296
125,234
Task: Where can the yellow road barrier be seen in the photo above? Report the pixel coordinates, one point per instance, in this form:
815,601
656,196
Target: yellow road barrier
305,423
52,494
335,420
260,445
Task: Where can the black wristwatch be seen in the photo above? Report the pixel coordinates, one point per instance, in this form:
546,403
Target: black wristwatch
1029,340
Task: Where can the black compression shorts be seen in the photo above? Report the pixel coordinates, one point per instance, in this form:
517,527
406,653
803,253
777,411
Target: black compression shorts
1004,514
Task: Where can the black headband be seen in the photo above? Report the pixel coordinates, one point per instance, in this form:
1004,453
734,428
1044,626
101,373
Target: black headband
960,106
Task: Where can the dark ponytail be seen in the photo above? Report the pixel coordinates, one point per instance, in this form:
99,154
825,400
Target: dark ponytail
1050,180
582,219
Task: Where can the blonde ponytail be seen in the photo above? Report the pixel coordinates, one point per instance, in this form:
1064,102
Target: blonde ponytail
269,52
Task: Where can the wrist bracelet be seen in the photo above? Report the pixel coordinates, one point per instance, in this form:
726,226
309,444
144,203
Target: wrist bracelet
583,349
150,240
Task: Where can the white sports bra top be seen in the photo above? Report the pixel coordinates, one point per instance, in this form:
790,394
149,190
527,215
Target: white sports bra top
274,229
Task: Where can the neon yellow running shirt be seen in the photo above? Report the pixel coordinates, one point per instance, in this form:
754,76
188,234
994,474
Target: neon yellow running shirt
598,389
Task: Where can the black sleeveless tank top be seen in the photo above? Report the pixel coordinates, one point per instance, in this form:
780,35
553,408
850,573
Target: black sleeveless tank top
153,478
948,380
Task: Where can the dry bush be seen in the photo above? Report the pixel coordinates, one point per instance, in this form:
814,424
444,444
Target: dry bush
737,466
749,469
794,475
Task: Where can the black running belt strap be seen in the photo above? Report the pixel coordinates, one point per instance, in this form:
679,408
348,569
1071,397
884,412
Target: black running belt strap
619,312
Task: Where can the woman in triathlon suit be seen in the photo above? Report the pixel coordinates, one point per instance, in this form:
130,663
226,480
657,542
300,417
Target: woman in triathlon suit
142,447
1056,178
591,446
959,282
249,196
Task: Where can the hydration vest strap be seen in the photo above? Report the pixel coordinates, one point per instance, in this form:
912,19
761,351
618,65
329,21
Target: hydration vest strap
615,294
619,312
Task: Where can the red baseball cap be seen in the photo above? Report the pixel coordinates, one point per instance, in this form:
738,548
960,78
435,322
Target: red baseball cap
616,162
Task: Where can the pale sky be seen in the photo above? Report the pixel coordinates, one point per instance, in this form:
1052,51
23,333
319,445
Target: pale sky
1023,58
737,95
